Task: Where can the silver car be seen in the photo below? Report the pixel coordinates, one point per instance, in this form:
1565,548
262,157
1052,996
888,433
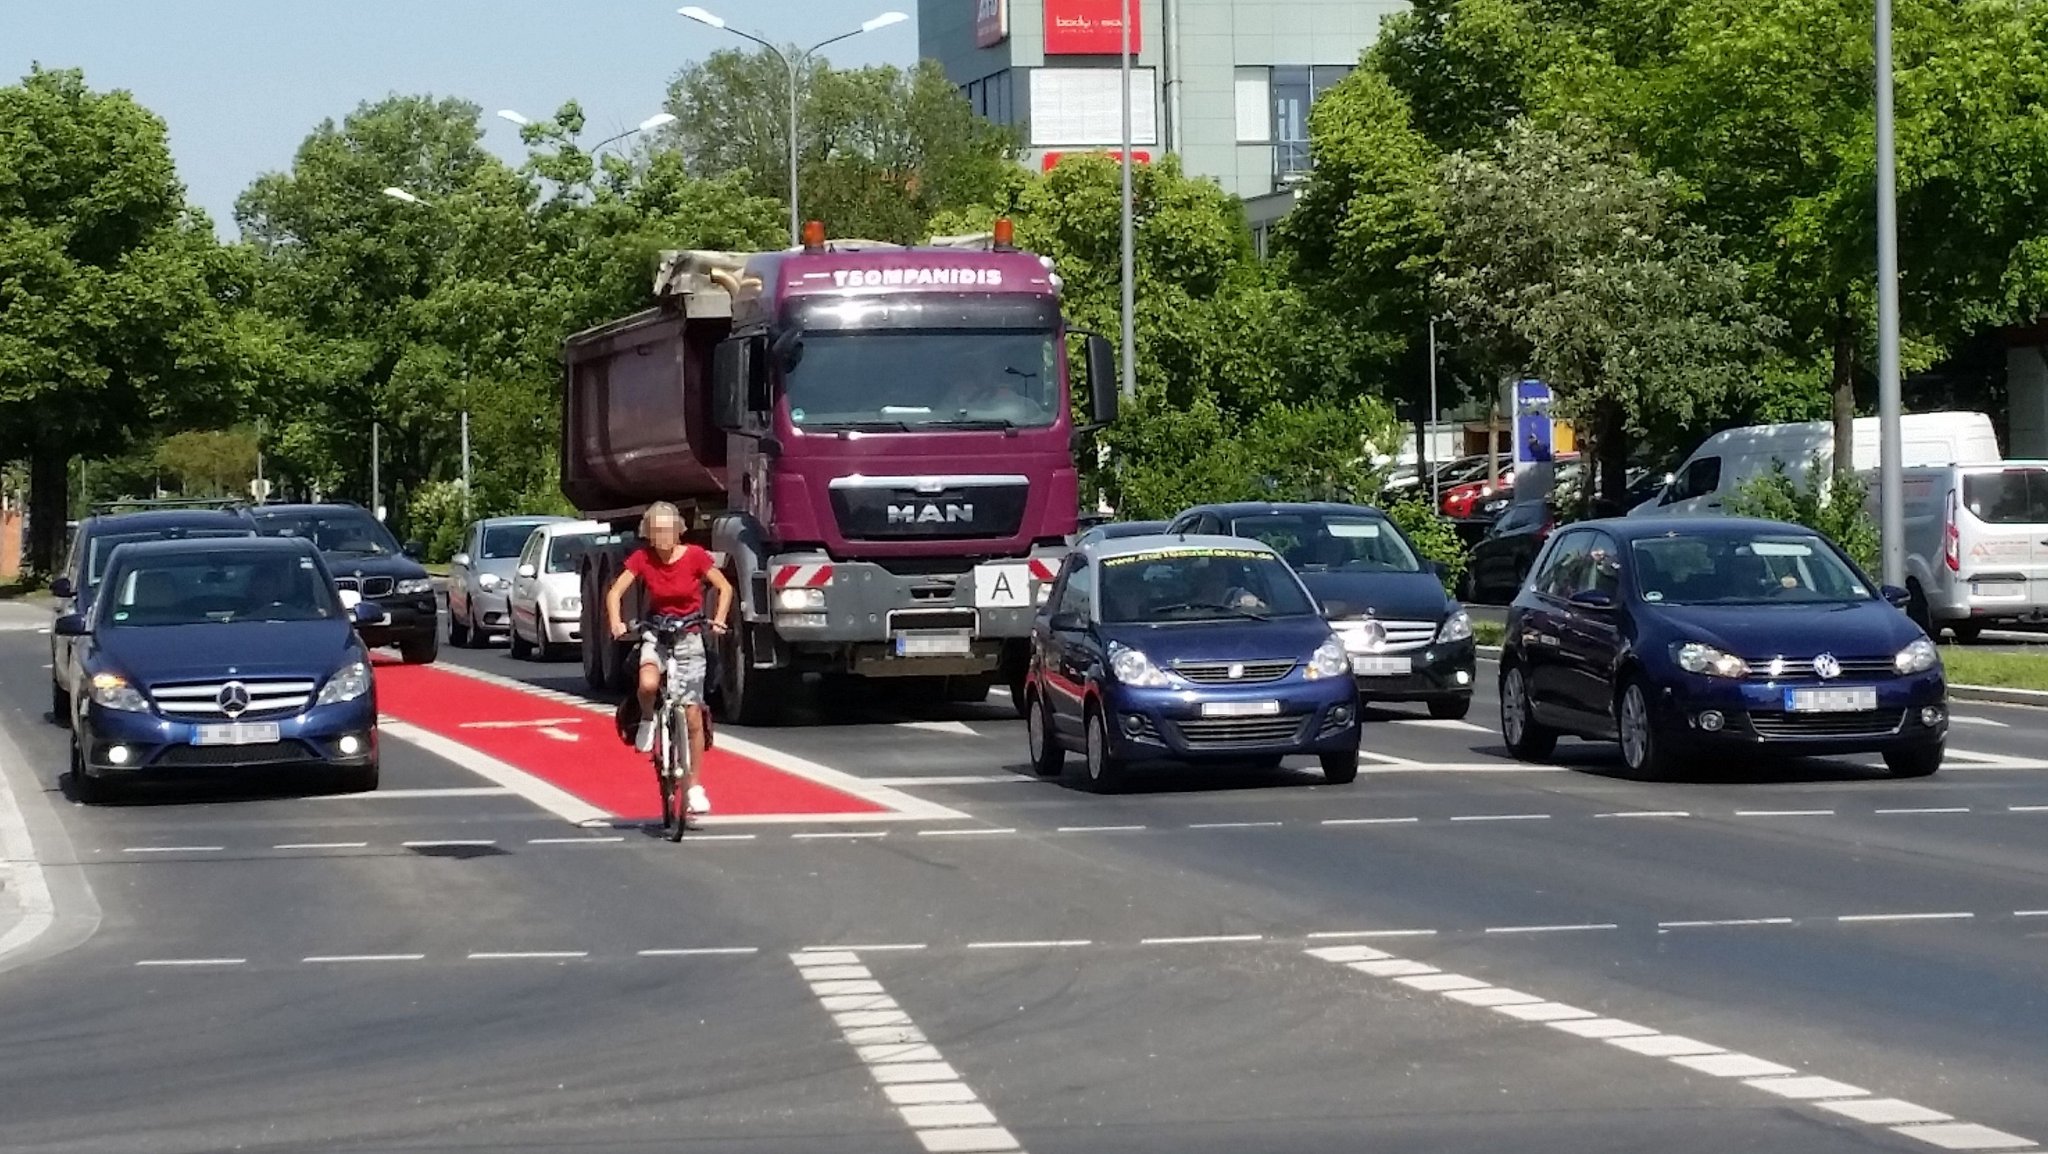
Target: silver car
480,577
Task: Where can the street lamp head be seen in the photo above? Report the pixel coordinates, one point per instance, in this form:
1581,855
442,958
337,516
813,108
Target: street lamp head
701,16
514,117
401,194
658,120
884,21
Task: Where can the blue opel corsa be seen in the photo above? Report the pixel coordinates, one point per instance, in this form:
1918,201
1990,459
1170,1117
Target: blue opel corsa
1185,648
220,654
1683,637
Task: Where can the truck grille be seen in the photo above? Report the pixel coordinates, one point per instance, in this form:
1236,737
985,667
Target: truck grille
1800,670
1232,732
1218,672
948,508
1397,636
1800,726
368,586
210,700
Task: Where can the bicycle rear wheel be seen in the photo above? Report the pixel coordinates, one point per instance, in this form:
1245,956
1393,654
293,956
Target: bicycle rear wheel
674,805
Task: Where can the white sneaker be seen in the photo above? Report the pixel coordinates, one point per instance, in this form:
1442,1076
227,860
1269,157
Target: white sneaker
643,738
700,802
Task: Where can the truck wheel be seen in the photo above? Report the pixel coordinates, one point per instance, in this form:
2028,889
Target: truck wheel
752,696
595,637
60,703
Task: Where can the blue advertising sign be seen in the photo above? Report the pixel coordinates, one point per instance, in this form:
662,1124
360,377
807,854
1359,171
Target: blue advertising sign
1535,472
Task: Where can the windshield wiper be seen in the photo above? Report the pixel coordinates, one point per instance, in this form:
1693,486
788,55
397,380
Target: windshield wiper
862,427
1003,423
1237,610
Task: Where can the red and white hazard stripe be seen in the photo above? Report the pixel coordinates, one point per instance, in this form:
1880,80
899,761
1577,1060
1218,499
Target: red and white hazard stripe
802,576
1042,570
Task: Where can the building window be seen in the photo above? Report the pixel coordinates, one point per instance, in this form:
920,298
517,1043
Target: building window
1081,106
1254,105
1295,89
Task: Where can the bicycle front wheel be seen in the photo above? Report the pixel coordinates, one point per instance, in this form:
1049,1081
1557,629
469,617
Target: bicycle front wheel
674,802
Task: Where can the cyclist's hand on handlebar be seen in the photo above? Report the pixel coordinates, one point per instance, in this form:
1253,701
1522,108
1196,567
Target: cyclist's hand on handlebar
620,631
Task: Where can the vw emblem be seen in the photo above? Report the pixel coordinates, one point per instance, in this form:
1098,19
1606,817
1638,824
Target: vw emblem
1827,667
233,699
1375,635
1236,671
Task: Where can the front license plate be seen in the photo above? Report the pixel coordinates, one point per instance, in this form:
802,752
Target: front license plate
1240,709
937,643
246,733
1381,666
1862,699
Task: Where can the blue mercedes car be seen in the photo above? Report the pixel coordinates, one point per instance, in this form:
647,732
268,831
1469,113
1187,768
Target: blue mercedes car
1184,649
220,654
1691,637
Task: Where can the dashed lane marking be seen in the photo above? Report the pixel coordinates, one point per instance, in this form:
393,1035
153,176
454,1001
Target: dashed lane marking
965,832
1839,1098
1502,817
1940,917
313,845
1561,929
338,958
174,849
1099,828
191,963
1784,813
1441,723
527,955
1202,940
700,952
1662,926
1040,944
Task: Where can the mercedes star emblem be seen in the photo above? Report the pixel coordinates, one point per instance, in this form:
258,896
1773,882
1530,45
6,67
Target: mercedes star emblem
233,699
1827,667
1375,635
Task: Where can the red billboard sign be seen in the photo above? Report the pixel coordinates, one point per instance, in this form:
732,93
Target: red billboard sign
991,23
1090,27
1053,158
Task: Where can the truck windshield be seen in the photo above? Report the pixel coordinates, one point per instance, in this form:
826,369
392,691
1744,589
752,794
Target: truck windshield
896,381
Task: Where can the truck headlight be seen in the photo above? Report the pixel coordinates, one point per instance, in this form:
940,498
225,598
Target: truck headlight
1699,657
799,600
1456,627
1331,659
1919,657
1132,667
414,586
348,683
112,691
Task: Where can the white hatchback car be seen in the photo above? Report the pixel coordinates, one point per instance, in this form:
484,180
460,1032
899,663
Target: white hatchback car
547,591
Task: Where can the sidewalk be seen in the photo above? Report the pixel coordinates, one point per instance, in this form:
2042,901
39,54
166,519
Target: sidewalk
22,887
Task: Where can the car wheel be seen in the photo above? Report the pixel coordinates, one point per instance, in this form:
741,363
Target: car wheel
1967,632
1047,758
1527,739
362,779
1100,771
422,651
521,650
1451,708
60,703
1917,609
1644,747
460,634
87,789
1340,768
1919,761
1018,700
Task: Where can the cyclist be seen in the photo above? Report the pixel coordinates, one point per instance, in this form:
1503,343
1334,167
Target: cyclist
674,574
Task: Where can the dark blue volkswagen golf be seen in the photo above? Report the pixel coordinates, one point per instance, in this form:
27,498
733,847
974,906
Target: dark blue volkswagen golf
1682,637
203,655
1188,649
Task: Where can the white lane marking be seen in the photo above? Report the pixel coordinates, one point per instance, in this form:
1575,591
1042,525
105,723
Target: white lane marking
1371,820
1349,954
1371,934
1099,828
701,952
546,795
527,955
1725,922
928,1093
1942,917
558,734
2026,809
575,840
2030,913
1439,723
949,728
1201,940
1853,1102
1387,758
193,962
322,845
1040,944
964,832
697,837
1468,767
418,794
839,835
318,958
1961,719
1646,813
1234,825
1784,813
450,843
532,723
1563,929
1444,983
1392,968
958,779
878,947
174,849
835,956
1502,817
1930,809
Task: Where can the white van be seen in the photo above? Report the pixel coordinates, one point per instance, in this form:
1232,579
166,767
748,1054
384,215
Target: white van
1731,457
1976,545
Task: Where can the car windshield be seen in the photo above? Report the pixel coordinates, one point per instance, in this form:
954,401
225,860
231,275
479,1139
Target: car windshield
895,381
503,542
1200,585
1727,569
198,588
100,548
567,550
348,532
1335,543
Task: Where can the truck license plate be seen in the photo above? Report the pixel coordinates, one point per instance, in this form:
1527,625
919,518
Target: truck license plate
1240,709
1857,699
238,733
1380,666
934,643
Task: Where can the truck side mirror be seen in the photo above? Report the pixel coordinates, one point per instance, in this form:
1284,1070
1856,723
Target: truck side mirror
1102,382
731,370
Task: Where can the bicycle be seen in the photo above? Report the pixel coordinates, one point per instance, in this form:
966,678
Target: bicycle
671,723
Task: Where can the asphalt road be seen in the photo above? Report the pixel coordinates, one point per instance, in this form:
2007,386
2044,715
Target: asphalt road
1455,953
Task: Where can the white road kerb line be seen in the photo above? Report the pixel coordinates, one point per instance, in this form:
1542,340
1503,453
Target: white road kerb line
1838,1098
932,1098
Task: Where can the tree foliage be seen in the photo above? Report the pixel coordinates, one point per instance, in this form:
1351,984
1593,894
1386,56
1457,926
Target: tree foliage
1833,505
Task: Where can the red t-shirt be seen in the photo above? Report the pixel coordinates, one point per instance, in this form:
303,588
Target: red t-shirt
672,589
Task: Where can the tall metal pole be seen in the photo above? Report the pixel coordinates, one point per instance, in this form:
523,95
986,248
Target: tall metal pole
1891,482
376,482
795,225
1436,495
1130,273
465,464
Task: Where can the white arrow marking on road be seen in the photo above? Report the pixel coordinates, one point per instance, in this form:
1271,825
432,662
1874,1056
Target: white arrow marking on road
557,734
1959,719
535,723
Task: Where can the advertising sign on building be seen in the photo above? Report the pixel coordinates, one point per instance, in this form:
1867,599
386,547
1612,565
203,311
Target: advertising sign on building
1053,158
991,23
1535,468
1090,27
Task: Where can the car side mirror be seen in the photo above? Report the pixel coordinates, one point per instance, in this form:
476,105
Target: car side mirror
365,613
1103,394
1899,598
1592,599
62,588
1069,622
528,571
731,367
72,625
460,559
350,599
414,549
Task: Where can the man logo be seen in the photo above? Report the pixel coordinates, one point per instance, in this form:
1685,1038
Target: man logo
948,514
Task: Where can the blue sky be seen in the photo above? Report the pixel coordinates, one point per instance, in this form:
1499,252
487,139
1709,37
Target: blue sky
241,82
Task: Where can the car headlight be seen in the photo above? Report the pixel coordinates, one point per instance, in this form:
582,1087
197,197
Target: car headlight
1919,657
1134,668
799,600
1699,657
414,586
112,691
1330,660
348,683
569,604
1456,627
490,582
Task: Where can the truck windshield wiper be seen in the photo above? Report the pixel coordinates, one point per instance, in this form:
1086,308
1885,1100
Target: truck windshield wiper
863,427
1237,610
1003,423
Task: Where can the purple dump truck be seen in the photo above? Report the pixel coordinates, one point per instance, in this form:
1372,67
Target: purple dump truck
878,443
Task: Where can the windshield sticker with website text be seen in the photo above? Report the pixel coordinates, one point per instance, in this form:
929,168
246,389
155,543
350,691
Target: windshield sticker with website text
1170,554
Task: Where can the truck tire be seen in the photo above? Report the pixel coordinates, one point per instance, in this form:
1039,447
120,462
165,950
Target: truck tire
751,696
597,632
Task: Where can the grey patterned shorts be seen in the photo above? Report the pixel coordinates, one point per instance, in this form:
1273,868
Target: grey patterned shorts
689,664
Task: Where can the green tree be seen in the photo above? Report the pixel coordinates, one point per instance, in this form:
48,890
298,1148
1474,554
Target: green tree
209,463
117,305
1832,505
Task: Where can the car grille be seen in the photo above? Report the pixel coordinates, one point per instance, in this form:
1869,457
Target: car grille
202,700
1800,726
231,756
1229,732
368,586
1800,669
1401,636
1218,672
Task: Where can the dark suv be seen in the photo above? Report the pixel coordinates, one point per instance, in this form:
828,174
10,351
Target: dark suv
367,559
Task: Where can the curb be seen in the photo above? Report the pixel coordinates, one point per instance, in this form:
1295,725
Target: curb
1994,695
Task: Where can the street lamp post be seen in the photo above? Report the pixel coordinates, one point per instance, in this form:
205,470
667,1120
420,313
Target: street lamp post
658,120
794,66
1436,498
1130,247
1891,441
